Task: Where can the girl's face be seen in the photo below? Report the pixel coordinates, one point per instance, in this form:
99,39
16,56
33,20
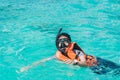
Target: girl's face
63,42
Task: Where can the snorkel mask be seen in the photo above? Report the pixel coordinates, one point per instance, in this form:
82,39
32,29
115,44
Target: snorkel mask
62,41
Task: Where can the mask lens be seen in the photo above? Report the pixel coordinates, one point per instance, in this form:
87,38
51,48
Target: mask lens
66,44
59,44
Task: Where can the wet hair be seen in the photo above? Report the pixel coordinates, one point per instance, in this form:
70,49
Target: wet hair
62,34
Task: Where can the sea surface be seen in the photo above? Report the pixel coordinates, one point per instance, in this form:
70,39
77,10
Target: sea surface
28,30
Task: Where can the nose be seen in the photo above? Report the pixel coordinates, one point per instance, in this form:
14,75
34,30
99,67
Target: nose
62,45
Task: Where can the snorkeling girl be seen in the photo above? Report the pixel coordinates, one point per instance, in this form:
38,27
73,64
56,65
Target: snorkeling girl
70,52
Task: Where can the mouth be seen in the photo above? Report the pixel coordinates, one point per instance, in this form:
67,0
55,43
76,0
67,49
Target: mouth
62,48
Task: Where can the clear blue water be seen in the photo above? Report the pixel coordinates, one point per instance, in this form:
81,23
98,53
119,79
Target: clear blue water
28,29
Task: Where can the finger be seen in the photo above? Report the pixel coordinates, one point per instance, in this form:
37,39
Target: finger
66,61
69,61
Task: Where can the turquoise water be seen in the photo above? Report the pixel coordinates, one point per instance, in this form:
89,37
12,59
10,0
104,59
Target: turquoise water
28,29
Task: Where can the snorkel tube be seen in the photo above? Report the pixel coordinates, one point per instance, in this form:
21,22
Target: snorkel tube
58,37
62,34
59,32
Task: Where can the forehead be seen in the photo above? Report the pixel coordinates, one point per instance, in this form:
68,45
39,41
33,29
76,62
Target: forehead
62,37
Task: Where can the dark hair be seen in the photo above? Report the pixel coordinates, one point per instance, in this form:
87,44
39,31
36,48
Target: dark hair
64,34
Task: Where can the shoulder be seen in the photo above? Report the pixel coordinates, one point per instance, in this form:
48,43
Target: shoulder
73,43
60,56
58,53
